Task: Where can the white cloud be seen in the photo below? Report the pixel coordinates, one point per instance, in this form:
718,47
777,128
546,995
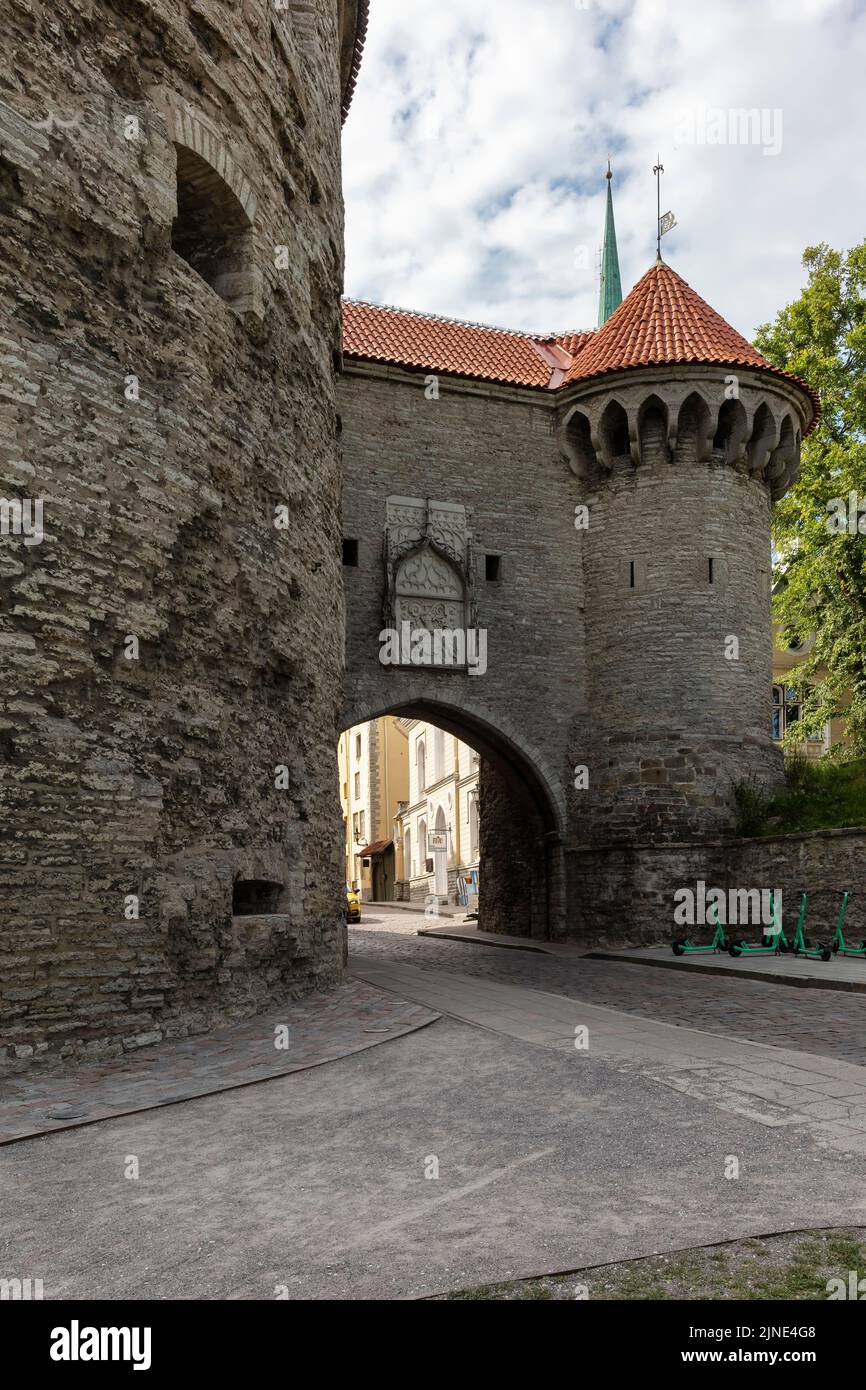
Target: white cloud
475,151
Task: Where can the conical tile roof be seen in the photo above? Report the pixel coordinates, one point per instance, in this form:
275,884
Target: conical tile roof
663,322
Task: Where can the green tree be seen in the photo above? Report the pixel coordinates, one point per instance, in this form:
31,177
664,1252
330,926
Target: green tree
820,566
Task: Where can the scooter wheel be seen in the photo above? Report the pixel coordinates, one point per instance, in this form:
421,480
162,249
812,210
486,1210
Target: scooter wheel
678,948
826,953
734,951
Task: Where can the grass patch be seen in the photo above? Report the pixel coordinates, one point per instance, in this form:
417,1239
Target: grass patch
773,1268
821,794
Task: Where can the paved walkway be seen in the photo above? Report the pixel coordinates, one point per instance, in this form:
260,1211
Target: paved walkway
840,973
771,1085
318,1029
485,1147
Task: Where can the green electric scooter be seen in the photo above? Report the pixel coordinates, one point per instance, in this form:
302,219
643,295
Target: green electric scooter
801,946
718,943
774,945
838,943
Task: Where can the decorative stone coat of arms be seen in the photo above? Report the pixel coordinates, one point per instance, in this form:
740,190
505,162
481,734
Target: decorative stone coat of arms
429,566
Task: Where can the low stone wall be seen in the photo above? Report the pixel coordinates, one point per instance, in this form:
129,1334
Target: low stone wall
625,894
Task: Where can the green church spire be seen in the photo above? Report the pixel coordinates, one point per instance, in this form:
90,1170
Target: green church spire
610,290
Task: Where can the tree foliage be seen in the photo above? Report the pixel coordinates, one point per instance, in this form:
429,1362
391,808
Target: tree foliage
819,527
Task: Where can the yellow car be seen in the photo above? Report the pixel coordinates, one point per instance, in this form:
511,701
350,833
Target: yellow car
353,905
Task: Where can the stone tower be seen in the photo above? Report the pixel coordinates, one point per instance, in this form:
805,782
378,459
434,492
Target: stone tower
681,436
172,642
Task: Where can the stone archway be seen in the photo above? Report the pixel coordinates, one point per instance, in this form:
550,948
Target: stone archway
520,824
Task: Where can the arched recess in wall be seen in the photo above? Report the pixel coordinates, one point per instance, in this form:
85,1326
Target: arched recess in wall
212,231
653,431
730,436
216,205
694,428
614,434
579,448
763,438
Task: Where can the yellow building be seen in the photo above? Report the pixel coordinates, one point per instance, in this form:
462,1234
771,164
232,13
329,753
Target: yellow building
374,780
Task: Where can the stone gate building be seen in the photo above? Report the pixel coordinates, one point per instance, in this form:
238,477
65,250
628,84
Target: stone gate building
598,505
172,622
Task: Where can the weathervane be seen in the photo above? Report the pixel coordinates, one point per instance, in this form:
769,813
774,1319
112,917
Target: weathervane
663,224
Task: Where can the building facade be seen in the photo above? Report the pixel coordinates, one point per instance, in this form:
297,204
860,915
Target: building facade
787,697
438,827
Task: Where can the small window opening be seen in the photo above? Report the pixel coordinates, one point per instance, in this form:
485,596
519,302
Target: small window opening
631,574
350,553
710,569
255,897
492,568
212,231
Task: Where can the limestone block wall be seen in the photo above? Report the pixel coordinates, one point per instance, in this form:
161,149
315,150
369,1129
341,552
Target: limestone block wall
625,893
172,258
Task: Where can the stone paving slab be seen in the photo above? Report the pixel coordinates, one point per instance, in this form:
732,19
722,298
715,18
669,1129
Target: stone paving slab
322,1028
826,1022
474,937
844,973
768,1084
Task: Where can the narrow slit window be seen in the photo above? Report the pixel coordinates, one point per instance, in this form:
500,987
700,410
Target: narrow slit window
350,553
710,569
631,575
493,568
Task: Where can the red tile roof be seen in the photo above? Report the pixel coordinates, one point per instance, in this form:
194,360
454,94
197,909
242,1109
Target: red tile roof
423,341
661,322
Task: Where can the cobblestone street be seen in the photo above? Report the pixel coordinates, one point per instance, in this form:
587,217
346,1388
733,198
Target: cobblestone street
829,1023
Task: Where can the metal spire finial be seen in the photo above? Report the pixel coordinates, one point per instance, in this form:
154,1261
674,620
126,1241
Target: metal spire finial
658,170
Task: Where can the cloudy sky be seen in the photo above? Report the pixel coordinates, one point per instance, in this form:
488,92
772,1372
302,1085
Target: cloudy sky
475,151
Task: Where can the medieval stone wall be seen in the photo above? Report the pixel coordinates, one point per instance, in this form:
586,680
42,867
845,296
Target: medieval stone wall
165,387
626,892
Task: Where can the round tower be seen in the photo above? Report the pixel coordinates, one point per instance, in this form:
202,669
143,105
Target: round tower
682,436
172,641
